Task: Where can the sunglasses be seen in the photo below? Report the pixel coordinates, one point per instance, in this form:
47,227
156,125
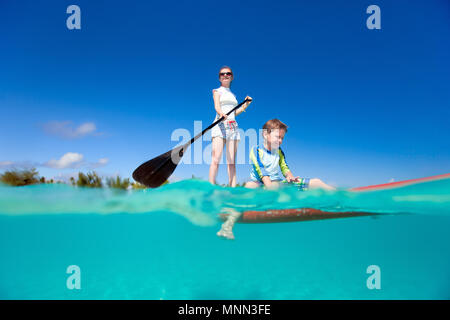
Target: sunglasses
225,74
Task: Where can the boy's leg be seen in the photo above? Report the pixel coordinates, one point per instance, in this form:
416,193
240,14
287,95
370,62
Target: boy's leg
252,184
255,184
317,183
275,184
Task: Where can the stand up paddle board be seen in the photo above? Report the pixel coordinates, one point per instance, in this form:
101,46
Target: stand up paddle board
403,183
308,214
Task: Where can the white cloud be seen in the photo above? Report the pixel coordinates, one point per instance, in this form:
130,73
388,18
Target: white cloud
85,129
100,163
12,165
65,129
64,177
6,164
69,160
391,180
103,161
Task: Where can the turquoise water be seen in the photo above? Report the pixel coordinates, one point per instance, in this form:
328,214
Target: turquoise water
161,244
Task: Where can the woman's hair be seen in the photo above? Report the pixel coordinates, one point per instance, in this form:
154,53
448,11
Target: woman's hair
225,67
274,124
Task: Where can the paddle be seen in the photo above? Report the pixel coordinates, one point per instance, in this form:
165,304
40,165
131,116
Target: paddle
154,172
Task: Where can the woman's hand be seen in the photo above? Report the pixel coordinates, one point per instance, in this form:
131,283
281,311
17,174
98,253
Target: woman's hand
223,115
245,105
250,99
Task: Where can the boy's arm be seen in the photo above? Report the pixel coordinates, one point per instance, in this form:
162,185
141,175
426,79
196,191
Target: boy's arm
259,168
285,169
267,182
290,177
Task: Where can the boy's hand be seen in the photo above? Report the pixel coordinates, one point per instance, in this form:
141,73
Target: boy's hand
292,179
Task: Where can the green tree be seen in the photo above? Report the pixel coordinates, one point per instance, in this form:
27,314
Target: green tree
137,185
20,177
91,180
118,183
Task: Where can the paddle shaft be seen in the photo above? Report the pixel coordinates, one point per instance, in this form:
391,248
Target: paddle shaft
181,152
216,122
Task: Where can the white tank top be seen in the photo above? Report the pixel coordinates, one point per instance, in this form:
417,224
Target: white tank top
227,102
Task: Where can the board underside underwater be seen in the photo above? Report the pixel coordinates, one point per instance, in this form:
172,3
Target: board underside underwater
310,214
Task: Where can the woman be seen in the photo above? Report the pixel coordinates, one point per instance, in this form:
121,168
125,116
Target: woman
225,132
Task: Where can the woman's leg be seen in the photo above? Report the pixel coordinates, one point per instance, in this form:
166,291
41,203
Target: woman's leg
226,231
217,148
231,150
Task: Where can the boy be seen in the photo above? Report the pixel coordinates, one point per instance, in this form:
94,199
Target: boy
269,168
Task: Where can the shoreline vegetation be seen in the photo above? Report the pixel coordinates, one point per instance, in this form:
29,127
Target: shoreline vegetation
25,177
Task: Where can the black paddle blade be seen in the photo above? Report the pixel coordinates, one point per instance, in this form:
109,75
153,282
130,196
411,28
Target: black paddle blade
155,172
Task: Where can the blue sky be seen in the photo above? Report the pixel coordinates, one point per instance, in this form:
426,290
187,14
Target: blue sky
363,106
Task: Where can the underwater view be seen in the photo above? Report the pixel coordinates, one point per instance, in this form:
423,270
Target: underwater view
242,150
162,243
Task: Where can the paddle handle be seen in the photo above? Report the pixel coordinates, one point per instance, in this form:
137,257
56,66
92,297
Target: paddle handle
216,122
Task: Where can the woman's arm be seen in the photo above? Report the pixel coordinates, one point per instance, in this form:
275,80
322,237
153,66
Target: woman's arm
216,97
240,110
244,106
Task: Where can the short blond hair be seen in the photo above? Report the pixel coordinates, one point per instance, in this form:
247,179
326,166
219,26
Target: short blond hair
274,124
